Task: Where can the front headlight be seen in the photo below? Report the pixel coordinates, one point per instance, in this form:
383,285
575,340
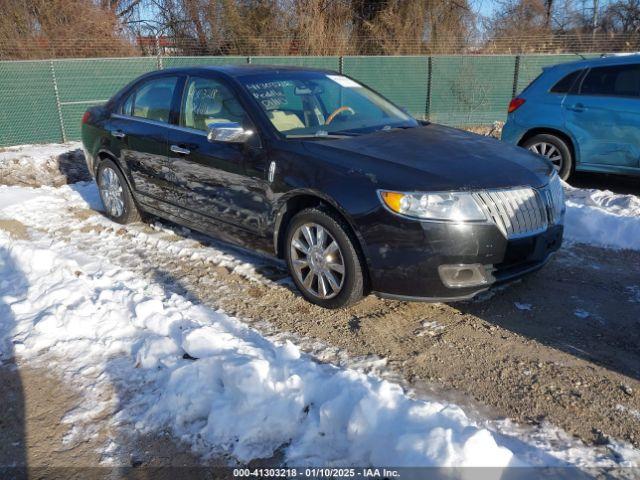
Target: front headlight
448,206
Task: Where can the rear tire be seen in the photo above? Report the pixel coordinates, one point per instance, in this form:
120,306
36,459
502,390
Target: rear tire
554,149
322,258
115,194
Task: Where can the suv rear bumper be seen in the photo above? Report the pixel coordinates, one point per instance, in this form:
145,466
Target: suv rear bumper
512,132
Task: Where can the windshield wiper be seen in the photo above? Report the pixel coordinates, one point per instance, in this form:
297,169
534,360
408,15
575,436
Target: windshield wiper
388,128
346,133
316,137
320,134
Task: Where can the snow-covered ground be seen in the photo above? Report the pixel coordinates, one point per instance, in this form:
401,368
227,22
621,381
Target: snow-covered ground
221,386
244,394
602,218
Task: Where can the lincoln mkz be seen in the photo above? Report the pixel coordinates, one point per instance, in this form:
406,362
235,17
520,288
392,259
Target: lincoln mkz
316,168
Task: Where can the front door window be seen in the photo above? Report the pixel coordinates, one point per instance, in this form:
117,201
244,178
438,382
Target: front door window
207,102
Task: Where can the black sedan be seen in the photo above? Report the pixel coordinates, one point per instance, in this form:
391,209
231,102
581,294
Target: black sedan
318,169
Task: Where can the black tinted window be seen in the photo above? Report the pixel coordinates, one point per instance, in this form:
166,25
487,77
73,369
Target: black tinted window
619,80
564,85
153,99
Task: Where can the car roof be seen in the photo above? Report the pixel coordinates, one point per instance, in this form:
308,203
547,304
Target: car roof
612,59
241,70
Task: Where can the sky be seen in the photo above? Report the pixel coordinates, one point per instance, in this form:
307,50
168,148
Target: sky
486,7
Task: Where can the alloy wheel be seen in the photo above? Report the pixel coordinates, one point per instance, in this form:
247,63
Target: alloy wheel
550,152
111,192
317,261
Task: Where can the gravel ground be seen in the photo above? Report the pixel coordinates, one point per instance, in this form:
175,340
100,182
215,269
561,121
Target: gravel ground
35,431
559,348
571,360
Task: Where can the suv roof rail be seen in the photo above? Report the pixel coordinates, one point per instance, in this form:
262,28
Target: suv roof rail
618,54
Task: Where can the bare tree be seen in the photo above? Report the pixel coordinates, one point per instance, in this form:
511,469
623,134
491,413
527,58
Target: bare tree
622,16
62,28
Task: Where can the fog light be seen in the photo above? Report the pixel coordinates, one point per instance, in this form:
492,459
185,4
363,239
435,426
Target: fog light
466,275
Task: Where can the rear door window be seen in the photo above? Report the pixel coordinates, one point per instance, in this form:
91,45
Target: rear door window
153,99
615,80
566,83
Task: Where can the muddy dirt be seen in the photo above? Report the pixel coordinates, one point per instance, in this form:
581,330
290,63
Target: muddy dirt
15,228
34,432
572,359
559,347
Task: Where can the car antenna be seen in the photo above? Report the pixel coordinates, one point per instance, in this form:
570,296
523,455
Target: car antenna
581,56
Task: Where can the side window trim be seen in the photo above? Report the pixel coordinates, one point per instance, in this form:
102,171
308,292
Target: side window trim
176,101
578,90
577,85
130,96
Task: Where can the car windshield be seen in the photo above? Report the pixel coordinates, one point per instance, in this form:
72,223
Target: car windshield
316,104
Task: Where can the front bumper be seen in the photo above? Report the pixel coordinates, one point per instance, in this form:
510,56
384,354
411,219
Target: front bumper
408,268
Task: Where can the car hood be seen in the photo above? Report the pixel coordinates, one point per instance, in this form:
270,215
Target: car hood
435,157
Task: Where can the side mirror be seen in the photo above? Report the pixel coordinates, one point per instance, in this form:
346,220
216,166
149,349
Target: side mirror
231,132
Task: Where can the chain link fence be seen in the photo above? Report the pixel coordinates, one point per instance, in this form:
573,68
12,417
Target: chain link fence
43,101
161,45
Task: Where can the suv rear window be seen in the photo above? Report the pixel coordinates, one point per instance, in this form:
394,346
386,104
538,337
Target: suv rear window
567,82
615,80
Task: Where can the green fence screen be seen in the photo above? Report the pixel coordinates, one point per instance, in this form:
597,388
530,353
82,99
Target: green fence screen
82,83
402,80
471,90
329,63
43,101
28,111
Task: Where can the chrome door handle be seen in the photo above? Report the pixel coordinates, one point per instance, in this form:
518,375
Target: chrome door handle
118,133
180,150
578,107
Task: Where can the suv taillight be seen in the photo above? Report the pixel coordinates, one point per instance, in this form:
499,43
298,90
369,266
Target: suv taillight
85,117
515,104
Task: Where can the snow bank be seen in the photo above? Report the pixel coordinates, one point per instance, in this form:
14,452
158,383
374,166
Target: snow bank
243,394
602,218
36,154
35,165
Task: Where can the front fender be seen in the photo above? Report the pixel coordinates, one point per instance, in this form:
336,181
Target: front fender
289,198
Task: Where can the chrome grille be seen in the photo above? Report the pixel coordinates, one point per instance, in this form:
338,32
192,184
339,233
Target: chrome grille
555,199
516,212
519,212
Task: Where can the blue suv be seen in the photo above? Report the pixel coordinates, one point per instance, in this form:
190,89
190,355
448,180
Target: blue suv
582,116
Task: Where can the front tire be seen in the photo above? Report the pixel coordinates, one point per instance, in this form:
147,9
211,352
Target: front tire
553,149
322,259
115,194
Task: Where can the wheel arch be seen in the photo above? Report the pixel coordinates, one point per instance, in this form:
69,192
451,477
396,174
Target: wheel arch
558,133
103,155
298,201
